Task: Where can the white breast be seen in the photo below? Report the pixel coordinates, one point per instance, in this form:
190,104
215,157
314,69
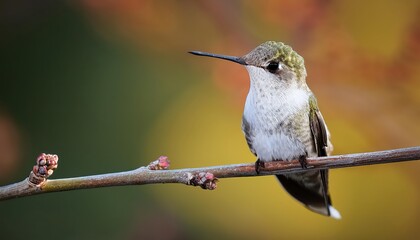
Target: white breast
268,104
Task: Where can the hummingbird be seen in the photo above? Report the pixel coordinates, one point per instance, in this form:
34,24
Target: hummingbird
281,121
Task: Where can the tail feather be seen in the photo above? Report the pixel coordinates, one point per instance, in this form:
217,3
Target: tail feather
311,189
325,195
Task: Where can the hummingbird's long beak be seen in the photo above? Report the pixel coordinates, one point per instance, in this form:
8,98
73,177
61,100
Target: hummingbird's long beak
225,57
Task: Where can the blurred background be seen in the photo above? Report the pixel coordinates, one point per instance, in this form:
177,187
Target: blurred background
109,86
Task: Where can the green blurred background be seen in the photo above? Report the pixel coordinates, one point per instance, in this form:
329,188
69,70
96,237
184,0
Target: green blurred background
109,86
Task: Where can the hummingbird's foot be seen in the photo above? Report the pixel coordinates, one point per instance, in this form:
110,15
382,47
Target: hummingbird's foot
303,162
258,165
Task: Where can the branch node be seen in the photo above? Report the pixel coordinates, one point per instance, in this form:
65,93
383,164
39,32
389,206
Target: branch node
205,180
162,163
45,166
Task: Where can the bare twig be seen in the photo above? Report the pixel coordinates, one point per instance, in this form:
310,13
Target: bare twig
204,177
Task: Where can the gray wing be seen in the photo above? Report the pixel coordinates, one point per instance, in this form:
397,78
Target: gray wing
246,128
318,129
320,137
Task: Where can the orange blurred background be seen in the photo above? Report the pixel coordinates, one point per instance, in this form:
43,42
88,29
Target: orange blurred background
109,86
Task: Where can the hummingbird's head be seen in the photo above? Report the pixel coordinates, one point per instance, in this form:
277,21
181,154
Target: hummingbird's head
273,60
276,58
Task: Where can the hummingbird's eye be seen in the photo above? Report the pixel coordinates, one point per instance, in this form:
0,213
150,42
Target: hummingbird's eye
273,67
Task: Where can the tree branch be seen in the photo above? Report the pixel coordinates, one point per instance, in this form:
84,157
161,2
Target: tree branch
205,177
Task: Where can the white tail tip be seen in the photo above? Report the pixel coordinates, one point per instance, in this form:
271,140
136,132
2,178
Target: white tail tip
334,213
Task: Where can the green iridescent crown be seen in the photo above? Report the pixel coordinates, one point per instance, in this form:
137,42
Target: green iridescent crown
289,57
